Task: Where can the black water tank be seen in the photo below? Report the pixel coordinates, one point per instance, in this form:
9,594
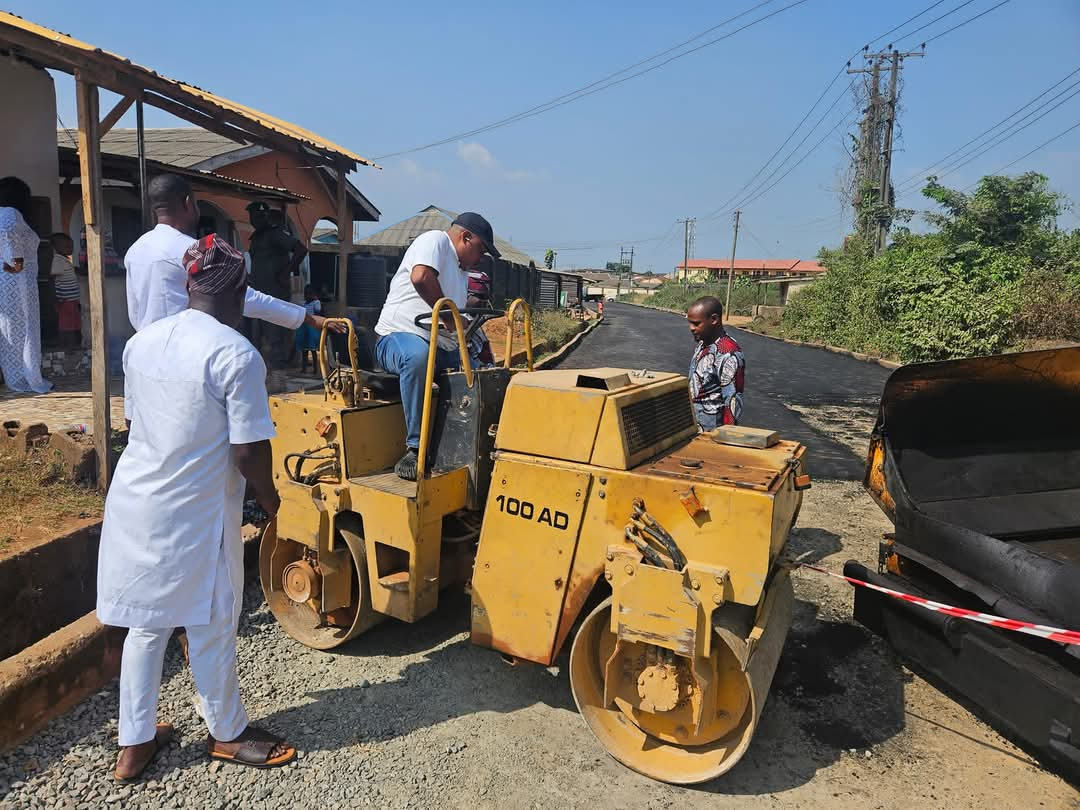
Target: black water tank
366,281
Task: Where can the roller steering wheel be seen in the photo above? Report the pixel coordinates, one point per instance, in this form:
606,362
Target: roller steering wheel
478,316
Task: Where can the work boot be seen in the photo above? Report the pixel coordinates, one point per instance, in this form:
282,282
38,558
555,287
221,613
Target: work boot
406,466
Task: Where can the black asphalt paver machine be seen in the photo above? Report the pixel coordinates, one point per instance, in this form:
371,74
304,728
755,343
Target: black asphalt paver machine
977,463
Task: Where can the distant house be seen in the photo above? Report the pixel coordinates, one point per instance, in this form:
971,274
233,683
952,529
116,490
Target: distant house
600,284
703,270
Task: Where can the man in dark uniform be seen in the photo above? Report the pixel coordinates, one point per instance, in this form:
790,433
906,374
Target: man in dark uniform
275,258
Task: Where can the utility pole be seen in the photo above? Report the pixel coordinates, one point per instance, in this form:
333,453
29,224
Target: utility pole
873,198
731,269
626,264
686,249
885,184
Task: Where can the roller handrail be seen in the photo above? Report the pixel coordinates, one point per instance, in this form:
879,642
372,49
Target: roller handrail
510,311
429,376
324,371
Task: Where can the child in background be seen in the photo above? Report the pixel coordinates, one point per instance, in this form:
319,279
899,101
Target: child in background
307,337
66,286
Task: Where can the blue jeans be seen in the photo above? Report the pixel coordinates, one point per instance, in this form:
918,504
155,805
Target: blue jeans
406,355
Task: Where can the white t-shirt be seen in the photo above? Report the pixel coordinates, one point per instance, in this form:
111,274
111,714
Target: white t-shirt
157,283
192,388
403,302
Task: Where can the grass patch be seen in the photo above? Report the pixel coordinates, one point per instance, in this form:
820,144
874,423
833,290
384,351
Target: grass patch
554,327
773,327
38,494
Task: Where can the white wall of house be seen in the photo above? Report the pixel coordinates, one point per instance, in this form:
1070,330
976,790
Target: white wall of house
28,137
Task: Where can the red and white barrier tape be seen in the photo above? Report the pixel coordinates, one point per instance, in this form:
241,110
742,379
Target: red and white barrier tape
1039,630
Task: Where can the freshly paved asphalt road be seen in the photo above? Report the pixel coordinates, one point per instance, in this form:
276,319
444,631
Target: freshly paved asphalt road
776,373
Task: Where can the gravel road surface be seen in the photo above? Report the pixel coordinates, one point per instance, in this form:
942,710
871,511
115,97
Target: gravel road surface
414,716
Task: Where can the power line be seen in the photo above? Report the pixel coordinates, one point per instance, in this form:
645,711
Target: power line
922,173
759,243
1013,130
604,84
731,201
936,19
745,202
1002,137
807,154
965,22
1042,145
728,203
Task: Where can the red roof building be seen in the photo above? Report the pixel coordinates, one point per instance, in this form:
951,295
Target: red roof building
712,269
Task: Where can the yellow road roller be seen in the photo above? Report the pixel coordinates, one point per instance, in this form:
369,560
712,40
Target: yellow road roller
574,504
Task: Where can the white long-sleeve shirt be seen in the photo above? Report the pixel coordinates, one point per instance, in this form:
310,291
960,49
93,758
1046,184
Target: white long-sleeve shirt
157,283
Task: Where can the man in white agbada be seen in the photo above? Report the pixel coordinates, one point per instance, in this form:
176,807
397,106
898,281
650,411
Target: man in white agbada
156,281
171,553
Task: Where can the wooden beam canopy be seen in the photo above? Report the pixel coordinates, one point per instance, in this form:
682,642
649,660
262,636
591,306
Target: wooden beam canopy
115,114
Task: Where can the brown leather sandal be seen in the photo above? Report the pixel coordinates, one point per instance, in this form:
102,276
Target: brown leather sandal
254,751
162,736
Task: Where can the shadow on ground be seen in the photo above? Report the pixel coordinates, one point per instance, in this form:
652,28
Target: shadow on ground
836,688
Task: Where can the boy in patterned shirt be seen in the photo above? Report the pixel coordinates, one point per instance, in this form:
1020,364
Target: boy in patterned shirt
717,369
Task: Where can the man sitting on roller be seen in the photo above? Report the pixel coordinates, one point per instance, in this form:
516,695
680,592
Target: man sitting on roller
435,266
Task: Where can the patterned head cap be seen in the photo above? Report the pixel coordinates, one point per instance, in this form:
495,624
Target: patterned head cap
214,267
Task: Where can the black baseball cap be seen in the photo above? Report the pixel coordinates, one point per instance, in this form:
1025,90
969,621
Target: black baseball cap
481,227
258,205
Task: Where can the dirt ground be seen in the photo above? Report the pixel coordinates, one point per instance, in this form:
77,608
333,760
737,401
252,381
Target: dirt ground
38,504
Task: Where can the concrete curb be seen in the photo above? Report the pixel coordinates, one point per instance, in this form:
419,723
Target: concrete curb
47,679
552,359
866,358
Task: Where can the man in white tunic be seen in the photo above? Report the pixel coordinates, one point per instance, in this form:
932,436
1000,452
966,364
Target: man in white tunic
156,281
171,553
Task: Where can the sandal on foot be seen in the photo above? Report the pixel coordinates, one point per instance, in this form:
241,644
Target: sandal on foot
254,751
162,736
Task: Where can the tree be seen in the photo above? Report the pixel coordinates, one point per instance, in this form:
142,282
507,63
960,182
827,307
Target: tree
549,259
1012,213
619,268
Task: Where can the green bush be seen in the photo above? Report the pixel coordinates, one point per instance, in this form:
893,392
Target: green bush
996,274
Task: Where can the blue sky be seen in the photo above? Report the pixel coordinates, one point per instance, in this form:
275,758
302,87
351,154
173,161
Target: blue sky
620,166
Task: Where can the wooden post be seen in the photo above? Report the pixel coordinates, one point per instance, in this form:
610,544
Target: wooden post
90,177
344,238
144,192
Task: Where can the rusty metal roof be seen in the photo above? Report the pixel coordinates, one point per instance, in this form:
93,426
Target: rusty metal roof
58,51
116,166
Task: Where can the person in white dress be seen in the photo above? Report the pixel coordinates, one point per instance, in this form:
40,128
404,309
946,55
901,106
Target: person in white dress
20,318
171,554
